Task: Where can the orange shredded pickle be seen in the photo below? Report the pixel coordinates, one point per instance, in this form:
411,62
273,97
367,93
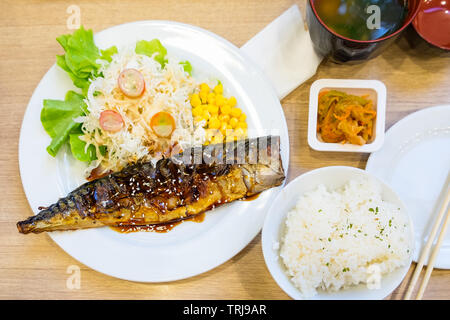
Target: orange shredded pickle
345,118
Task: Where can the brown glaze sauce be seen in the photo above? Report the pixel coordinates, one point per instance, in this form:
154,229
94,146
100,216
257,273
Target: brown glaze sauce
158,187
98,173
165,187
166,227
251,198
161,227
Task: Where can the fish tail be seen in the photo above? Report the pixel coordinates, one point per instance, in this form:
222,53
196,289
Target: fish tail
37,223
57,214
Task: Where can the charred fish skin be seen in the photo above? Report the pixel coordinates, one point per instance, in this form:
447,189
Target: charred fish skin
171,190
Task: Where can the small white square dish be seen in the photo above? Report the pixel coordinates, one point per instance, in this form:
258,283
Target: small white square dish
374,89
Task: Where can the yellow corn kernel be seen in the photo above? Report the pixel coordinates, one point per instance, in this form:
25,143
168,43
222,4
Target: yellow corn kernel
197,111
211,98
198,118
242,117
224,118
236,112
202,109
209,134
240,132
204,88
220,100
206,115
218,89
213,109
203,96
225,109
217,139
228,130
233,122
206,143
195,100
213,123
230,137
232,101
223,128
242,125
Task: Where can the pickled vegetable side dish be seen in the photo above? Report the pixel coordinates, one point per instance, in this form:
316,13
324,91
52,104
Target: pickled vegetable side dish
345,118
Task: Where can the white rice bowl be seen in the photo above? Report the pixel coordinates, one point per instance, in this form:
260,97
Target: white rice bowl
336,238
307,266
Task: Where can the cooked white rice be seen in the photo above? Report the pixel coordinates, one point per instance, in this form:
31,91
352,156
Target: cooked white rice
333,237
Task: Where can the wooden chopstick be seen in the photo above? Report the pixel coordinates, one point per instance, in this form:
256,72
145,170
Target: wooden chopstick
433,257
426,250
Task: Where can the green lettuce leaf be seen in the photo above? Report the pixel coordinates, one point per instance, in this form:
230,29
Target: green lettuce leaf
80,63
108,53
187,67
78,148
57,119
81,52
149,48
82,83
80,57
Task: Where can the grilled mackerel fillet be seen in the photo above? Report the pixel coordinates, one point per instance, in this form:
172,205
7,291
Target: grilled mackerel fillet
176,188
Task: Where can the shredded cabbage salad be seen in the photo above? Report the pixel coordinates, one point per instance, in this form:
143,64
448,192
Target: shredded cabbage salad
134,104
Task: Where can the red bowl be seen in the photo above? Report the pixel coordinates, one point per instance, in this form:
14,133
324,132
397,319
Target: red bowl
432,22
345,50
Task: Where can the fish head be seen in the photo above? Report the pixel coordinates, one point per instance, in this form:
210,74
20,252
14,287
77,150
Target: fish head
267,172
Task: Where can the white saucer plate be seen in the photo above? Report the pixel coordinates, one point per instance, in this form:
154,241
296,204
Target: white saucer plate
415,162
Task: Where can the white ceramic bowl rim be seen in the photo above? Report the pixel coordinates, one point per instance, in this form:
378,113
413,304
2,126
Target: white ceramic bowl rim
276,217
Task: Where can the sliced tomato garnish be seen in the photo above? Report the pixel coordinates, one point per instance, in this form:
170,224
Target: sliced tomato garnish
131,83
162,124
111,121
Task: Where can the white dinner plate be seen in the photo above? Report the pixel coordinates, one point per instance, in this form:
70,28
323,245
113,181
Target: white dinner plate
415,162
190,248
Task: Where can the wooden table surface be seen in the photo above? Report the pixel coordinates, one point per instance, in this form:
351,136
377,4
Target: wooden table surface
416,76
